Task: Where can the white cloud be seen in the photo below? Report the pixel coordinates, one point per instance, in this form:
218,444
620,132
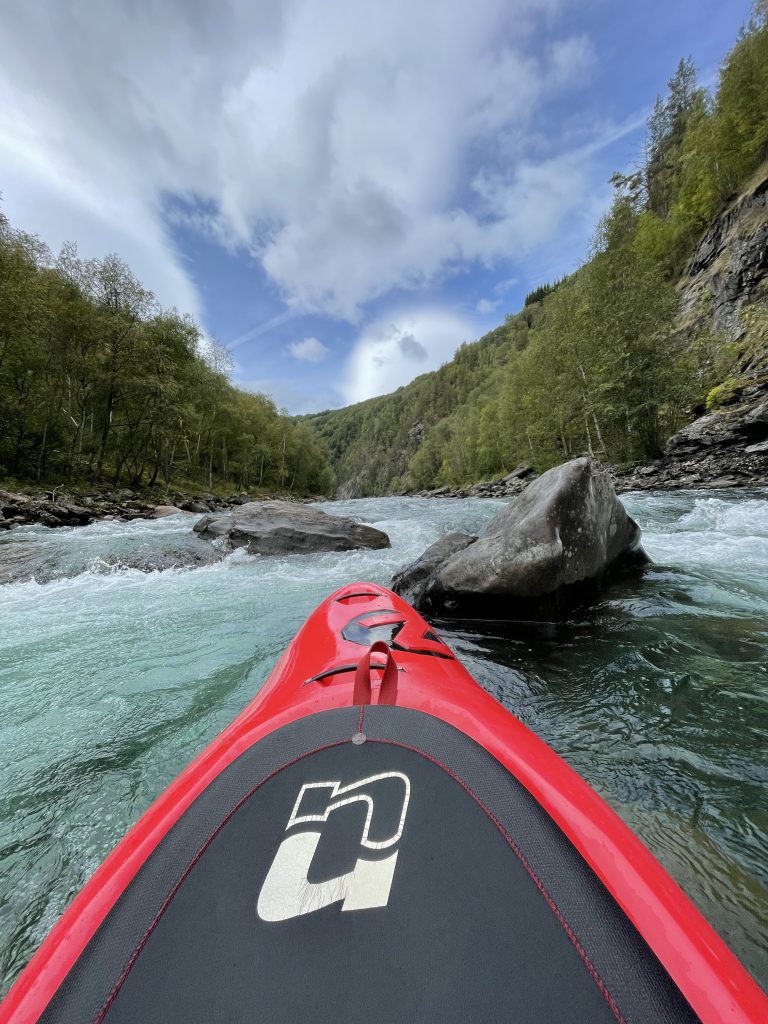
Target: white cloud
336,141
389,352
486,306
503,286
310,350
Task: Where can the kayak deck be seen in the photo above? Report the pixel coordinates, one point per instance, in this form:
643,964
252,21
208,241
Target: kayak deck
437,890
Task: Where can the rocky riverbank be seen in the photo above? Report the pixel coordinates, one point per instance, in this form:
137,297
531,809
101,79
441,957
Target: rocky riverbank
727,447
504,487
73,507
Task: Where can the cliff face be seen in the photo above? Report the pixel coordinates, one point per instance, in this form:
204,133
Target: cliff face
730,264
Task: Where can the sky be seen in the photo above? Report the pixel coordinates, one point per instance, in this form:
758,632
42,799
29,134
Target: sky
342,192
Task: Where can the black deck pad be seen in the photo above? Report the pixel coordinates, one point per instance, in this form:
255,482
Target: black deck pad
409,877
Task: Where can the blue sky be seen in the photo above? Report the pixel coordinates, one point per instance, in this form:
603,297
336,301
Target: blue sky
341,192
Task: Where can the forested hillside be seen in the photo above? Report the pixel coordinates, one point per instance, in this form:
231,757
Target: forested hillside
601,362
97,382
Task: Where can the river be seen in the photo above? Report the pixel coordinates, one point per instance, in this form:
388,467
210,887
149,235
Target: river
112,679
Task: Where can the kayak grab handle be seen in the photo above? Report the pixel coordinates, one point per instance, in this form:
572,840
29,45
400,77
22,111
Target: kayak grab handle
388,688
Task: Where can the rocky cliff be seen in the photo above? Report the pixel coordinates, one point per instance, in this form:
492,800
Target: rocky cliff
730,264
725,290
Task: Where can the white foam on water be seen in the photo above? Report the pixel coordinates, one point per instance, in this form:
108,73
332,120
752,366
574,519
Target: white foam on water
719,540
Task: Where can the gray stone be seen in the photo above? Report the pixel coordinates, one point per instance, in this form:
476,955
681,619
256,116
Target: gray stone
519,472
721,481
161,511
214,525
71,513
553,544
410,582
194,506
284,527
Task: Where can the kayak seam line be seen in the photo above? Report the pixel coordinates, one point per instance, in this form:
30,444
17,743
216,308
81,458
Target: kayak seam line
184,875
583,955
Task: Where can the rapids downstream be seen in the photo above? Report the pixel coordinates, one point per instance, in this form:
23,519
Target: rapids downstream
112,678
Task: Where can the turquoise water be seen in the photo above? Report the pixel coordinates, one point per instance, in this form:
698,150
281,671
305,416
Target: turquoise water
113,678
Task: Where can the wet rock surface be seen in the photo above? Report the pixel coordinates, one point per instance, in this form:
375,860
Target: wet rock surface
31,556
283,527
551,547
26,561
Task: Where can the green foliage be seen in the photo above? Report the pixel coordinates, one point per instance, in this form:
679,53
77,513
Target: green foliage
97,381
701,149
372,443
540,293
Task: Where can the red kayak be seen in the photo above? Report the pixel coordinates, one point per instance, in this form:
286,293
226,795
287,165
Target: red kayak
375,838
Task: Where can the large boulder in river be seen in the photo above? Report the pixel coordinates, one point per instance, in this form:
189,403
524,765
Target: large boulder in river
547,549
285,527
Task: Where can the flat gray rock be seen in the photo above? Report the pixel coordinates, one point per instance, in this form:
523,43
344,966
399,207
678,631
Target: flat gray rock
286,527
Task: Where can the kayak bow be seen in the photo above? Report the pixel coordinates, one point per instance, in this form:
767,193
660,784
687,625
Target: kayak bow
375,837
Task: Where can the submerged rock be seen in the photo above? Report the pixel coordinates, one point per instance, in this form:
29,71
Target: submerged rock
284,527
548,549
24,561
32,557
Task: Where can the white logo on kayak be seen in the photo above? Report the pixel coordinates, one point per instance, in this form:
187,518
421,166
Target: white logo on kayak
287,891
